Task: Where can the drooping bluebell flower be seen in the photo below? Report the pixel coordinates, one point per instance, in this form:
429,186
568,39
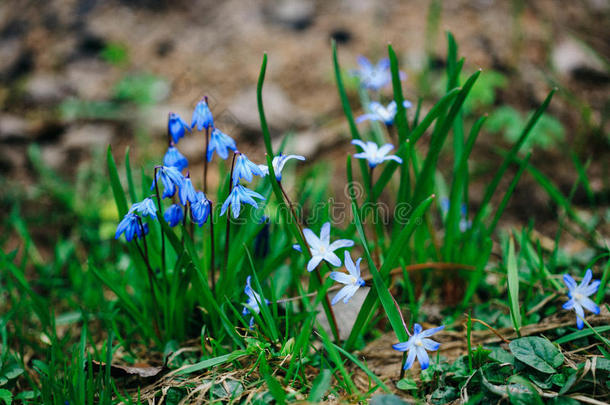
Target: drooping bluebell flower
221,143
187,192
239,195
278,163
171,179
254,301
352,281
375,154
579,296
176,127
202,116
173,215
173,158
375,77
145,208
379,112
130,226
322,249
245,169
418,345
200,208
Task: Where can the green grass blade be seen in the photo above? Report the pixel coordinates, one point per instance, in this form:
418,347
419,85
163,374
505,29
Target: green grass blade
347,110
512,272
493,185
213,362
425,181
130,185
320,386
417,132
400,120
364,368
261,109
115,183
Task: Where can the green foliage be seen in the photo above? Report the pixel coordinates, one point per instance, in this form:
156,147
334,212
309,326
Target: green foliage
508,121
115,53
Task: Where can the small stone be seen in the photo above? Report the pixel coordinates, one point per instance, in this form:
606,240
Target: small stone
88,136
280,112
54,156
295,14
46,88
13,127
571,56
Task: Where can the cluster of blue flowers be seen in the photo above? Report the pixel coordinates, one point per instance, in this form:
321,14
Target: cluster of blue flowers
178,185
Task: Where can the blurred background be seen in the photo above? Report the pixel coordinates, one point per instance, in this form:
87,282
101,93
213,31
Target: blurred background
79,75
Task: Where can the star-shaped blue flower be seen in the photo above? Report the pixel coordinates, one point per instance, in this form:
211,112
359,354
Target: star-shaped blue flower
174,158
352,281
418,346
173,215
176,127
202,116
373,77
579,296
379,112
187,192
245,169
278,163
375,154
221,143
200,209
171,179
322,249
254,301
239,195
145,208
130,226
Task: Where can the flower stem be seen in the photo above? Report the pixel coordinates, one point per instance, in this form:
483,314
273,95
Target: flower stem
212,261
159,218
205,160
327,306
228,228
150,273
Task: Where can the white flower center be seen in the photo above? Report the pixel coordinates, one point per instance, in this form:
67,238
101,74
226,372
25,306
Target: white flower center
578,296
418,343
354,280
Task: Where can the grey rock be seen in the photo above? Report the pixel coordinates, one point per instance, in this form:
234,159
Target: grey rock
13,127
281,113
46,88
88,136
570,55
295,14
345,314
54,156
91,79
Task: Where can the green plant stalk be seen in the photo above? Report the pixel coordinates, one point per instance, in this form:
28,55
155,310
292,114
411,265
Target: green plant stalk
296,230
160,218
228,212
513,286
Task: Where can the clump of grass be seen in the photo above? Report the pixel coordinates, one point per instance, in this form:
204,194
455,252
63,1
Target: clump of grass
237,268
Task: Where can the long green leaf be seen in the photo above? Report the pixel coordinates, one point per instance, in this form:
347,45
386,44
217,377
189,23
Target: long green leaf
115,183
512,272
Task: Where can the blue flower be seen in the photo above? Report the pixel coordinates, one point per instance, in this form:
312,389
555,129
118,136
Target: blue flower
187,192
322,249
352,281
579,296
254,301
221,143
202,116
171,178
173,215
417,346
200,208
173,158
146,208
130,226
240,195
378,112
176,127
375,77
245,169
278,163
375,154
